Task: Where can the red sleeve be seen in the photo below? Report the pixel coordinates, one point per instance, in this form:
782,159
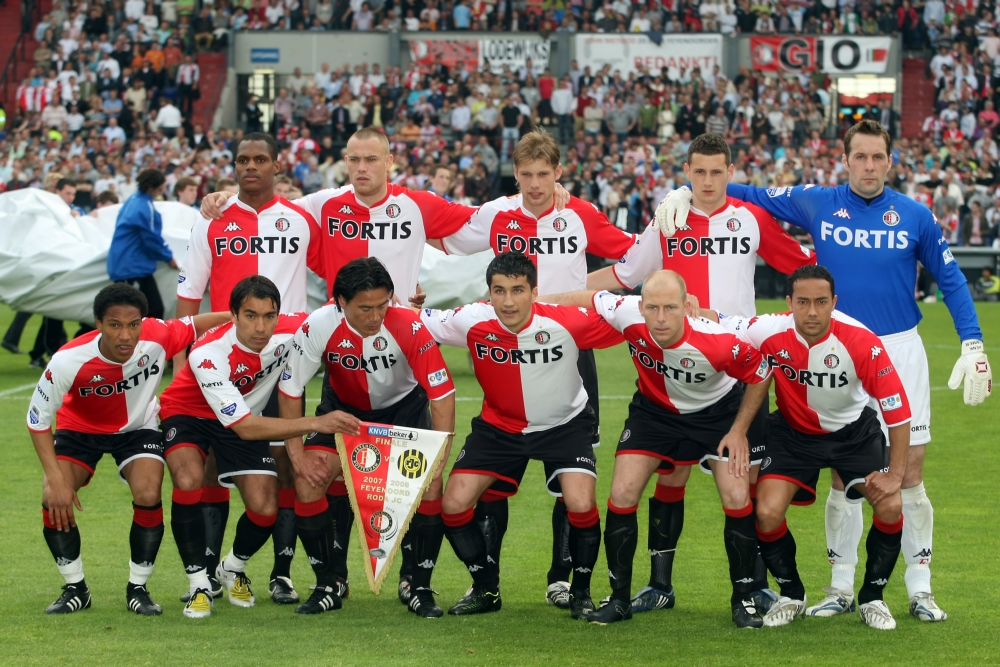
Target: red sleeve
590,331
441,217
878,376
777,247
422,352
603,238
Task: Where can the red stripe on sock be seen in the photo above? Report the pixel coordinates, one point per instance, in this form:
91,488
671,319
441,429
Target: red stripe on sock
312,508
429,507
262,520
147,517
46,521
740,513
888,528
753,492
584,519
286,499
192,497
774,535
491,496
214,494
459,519
669,494
337,489
622,510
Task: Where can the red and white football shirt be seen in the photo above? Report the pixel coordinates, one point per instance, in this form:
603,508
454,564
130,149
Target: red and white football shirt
367,373
277,242
717,255
693,373
825,387
394,230
557,242
86,392
530,379
224,379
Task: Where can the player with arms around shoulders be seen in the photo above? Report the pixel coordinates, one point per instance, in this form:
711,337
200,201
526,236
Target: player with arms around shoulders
100,389
260,233
524,355
716,252
691,406
830,367
215,403
871,238
382,367
557,241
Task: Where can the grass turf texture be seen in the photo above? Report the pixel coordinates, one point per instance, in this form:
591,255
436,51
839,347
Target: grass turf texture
962,466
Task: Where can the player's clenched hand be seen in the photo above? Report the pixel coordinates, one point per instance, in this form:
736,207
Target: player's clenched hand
211,205
975,367
739,453
673,211
417,300
61,498
339,421
880,485
311,466
561,199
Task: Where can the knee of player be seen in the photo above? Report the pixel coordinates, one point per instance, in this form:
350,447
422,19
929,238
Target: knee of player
770,514
736,497
146,495
262,504
890,508
451,504
187,477
625,495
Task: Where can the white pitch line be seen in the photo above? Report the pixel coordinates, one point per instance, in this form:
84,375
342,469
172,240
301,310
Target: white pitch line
8,392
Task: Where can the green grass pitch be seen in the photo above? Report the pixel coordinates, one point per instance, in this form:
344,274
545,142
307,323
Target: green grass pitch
963,465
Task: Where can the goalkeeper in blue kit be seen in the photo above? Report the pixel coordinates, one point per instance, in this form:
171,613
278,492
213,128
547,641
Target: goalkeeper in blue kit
871,239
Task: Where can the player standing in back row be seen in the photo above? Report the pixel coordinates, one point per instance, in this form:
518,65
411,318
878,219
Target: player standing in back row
871,238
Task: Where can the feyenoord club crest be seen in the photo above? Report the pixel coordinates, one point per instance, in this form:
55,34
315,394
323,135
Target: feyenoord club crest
831,361
282,225
733,225
280,350
393,210
380,344
542,337
559,224
890,218
143,360
387,469
687,363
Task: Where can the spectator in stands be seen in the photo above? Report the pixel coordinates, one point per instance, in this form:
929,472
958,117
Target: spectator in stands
186,191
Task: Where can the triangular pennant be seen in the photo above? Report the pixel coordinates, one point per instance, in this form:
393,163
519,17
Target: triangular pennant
387,469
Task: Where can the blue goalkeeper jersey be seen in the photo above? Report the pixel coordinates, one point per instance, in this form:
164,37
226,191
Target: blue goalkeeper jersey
872,250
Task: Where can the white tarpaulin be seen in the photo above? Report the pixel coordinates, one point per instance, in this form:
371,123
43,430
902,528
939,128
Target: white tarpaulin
626,51
53,264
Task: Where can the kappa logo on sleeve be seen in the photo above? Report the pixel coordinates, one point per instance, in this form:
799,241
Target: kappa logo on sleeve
876,350
207,363
416,326
438,378
736,351
893,402
48,376
305,329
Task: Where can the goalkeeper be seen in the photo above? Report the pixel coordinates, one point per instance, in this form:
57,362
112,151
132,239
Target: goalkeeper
871,239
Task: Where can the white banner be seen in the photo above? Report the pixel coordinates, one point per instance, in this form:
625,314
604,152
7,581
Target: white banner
627,52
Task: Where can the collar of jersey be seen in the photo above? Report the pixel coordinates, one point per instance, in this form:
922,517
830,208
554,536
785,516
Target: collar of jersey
97,346
829,332
861,199
244,348
528,213
534,314
358,333
236,201
388,193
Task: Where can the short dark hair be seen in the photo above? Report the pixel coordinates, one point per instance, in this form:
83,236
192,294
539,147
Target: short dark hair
257,287
63,182
107,197
710,144
512,264
272,145
869,127
360,275
150,179
809,272
119,294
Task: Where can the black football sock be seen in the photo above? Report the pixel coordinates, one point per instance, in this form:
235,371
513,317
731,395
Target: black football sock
315,529
144,539
427,530
883,545
467,540
760,570
778,549
740,537
65,549
406,553
215,508
187,523
252,533
562,563
621,539
283,536
666,521
343,521
584,545
491,515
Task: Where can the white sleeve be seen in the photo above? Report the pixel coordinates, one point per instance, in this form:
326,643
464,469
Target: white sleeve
642,259
451,327
754,330
197,268
222,395
473,236
50,391
609,306
308,346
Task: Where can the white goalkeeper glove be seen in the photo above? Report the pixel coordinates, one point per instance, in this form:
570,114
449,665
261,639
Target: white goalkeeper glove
673,211
974,366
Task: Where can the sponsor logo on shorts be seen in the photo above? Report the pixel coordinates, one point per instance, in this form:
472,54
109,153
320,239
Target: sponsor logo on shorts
282,225
207,363
626,434
267,460
461,455
687,362
396,433
890,218
584,459
542,337
393,210
415,327
228,410
765,463
380,343
365,457
559,224
171,434
437,378
733,225
381,522
143,360
412,464
893,402
831,361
